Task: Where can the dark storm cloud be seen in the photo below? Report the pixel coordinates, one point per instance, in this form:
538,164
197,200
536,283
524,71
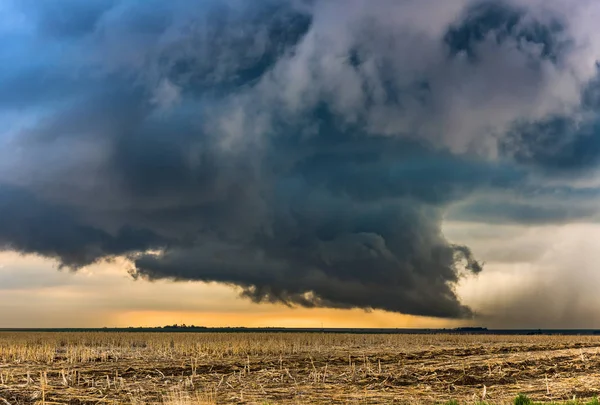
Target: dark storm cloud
524,212
533,204
306,152
560,144
499,22
33,226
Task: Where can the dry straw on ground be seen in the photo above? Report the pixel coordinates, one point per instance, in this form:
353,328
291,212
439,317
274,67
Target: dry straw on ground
285,368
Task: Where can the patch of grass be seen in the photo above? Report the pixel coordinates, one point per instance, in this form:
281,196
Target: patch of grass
522,399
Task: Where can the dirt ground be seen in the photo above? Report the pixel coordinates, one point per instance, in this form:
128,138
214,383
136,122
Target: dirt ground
266,368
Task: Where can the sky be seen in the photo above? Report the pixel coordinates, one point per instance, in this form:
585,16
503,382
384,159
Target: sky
339,163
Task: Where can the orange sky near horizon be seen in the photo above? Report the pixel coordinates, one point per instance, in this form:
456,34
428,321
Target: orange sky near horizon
37,294
524,266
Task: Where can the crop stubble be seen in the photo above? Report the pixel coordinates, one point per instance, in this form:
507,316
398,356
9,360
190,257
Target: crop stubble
296,368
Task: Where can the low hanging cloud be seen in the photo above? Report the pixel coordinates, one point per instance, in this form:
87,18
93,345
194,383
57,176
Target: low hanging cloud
306,152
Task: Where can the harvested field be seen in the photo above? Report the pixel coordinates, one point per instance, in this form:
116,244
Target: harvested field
282,368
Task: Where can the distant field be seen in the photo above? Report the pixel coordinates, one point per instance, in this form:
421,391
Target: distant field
293,368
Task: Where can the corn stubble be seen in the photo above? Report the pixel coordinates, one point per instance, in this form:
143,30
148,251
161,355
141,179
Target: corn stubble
292,368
